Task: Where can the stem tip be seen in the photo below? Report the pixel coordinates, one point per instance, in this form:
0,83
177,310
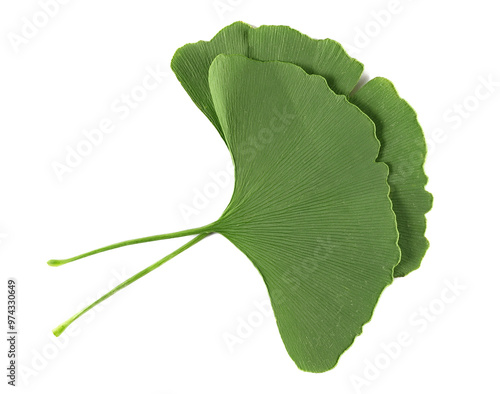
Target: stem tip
59,329
55,263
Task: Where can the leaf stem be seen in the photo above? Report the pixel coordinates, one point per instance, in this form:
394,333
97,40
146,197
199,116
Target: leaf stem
60,329
194,231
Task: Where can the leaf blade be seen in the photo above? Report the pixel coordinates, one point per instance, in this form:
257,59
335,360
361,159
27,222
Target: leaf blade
314,219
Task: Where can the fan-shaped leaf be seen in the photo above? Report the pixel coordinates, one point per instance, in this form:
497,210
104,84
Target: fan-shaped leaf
310,207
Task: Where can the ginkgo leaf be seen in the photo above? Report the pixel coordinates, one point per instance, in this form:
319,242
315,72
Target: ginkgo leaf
310,206
325,57
403,149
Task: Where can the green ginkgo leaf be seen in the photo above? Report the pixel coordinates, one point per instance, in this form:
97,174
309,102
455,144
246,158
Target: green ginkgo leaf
327,58
310,207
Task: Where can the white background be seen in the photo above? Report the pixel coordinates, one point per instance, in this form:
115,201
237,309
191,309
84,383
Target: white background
165,333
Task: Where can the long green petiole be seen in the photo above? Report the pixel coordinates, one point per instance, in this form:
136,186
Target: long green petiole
60,329
194,231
